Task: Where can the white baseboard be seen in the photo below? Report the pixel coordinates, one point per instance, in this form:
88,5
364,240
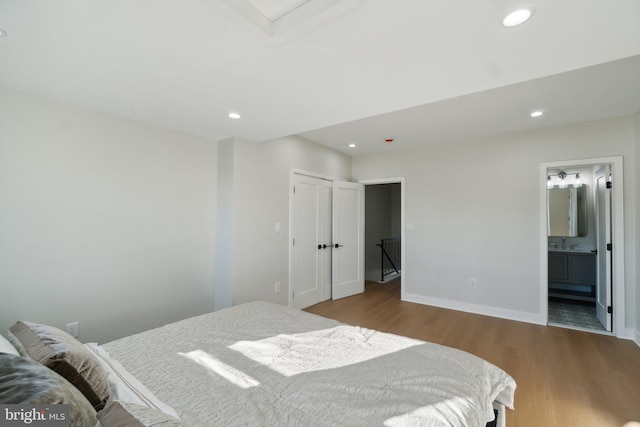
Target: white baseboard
390,278
485,310
502,313
627,334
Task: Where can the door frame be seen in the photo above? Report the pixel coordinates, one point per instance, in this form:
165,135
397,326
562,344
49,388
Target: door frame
617,234
403,262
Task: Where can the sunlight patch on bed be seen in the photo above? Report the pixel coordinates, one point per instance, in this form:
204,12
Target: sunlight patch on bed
445,412
293,354
229,373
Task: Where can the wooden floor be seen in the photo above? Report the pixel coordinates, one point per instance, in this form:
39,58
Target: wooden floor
565,377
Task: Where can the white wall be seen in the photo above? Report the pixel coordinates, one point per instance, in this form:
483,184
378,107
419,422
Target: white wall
475,210
103,221
261,199
112,223
223,265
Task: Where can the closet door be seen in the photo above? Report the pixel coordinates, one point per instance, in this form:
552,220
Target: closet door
311,244
348,239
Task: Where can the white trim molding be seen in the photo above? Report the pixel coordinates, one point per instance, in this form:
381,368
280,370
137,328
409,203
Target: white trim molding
484,310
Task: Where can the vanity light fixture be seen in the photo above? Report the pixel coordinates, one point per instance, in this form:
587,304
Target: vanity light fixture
517,17
562,175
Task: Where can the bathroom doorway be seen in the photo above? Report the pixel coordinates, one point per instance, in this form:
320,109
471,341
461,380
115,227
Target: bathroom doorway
583,217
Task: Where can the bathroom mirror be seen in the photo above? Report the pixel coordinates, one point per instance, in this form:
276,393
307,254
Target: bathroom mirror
567,211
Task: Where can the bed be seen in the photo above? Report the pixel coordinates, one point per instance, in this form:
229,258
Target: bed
263,364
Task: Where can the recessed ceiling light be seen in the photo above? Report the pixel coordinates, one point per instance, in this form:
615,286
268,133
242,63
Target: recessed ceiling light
537,113
233,115
352,145
517,17
3,33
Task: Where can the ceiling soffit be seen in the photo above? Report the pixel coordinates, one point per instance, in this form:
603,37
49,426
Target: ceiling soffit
279,22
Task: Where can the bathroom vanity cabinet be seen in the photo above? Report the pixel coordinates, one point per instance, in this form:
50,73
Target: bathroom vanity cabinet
572,275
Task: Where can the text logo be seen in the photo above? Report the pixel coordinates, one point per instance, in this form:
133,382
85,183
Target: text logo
34,415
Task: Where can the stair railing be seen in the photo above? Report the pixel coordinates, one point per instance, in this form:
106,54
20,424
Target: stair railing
389,257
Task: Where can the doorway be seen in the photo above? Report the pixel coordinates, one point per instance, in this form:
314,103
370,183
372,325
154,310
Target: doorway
382,232
583,245
385,219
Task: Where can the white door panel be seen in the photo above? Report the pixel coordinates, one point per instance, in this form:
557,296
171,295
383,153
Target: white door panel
324,233
326,214
311,266
348,239
603,237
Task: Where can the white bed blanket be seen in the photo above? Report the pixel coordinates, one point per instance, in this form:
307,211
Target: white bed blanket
261,364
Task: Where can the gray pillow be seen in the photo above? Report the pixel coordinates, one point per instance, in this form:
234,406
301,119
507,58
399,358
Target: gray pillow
127,414
24,381
64,354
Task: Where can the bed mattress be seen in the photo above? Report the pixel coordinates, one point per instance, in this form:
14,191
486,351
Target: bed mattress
262,364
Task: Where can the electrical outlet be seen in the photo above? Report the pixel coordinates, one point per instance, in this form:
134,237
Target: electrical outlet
277,287
72,329
473,283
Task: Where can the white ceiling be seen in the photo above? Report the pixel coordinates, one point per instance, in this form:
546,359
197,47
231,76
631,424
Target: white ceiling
419,71
600,91
276,9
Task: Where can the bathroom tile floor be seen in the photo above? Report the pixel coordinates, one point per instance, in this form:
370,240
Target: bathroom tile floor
574,314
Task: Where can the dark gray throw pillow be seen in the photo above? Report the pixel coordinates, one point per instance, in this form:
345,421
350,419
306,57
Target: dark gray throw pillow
23,380
64,354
